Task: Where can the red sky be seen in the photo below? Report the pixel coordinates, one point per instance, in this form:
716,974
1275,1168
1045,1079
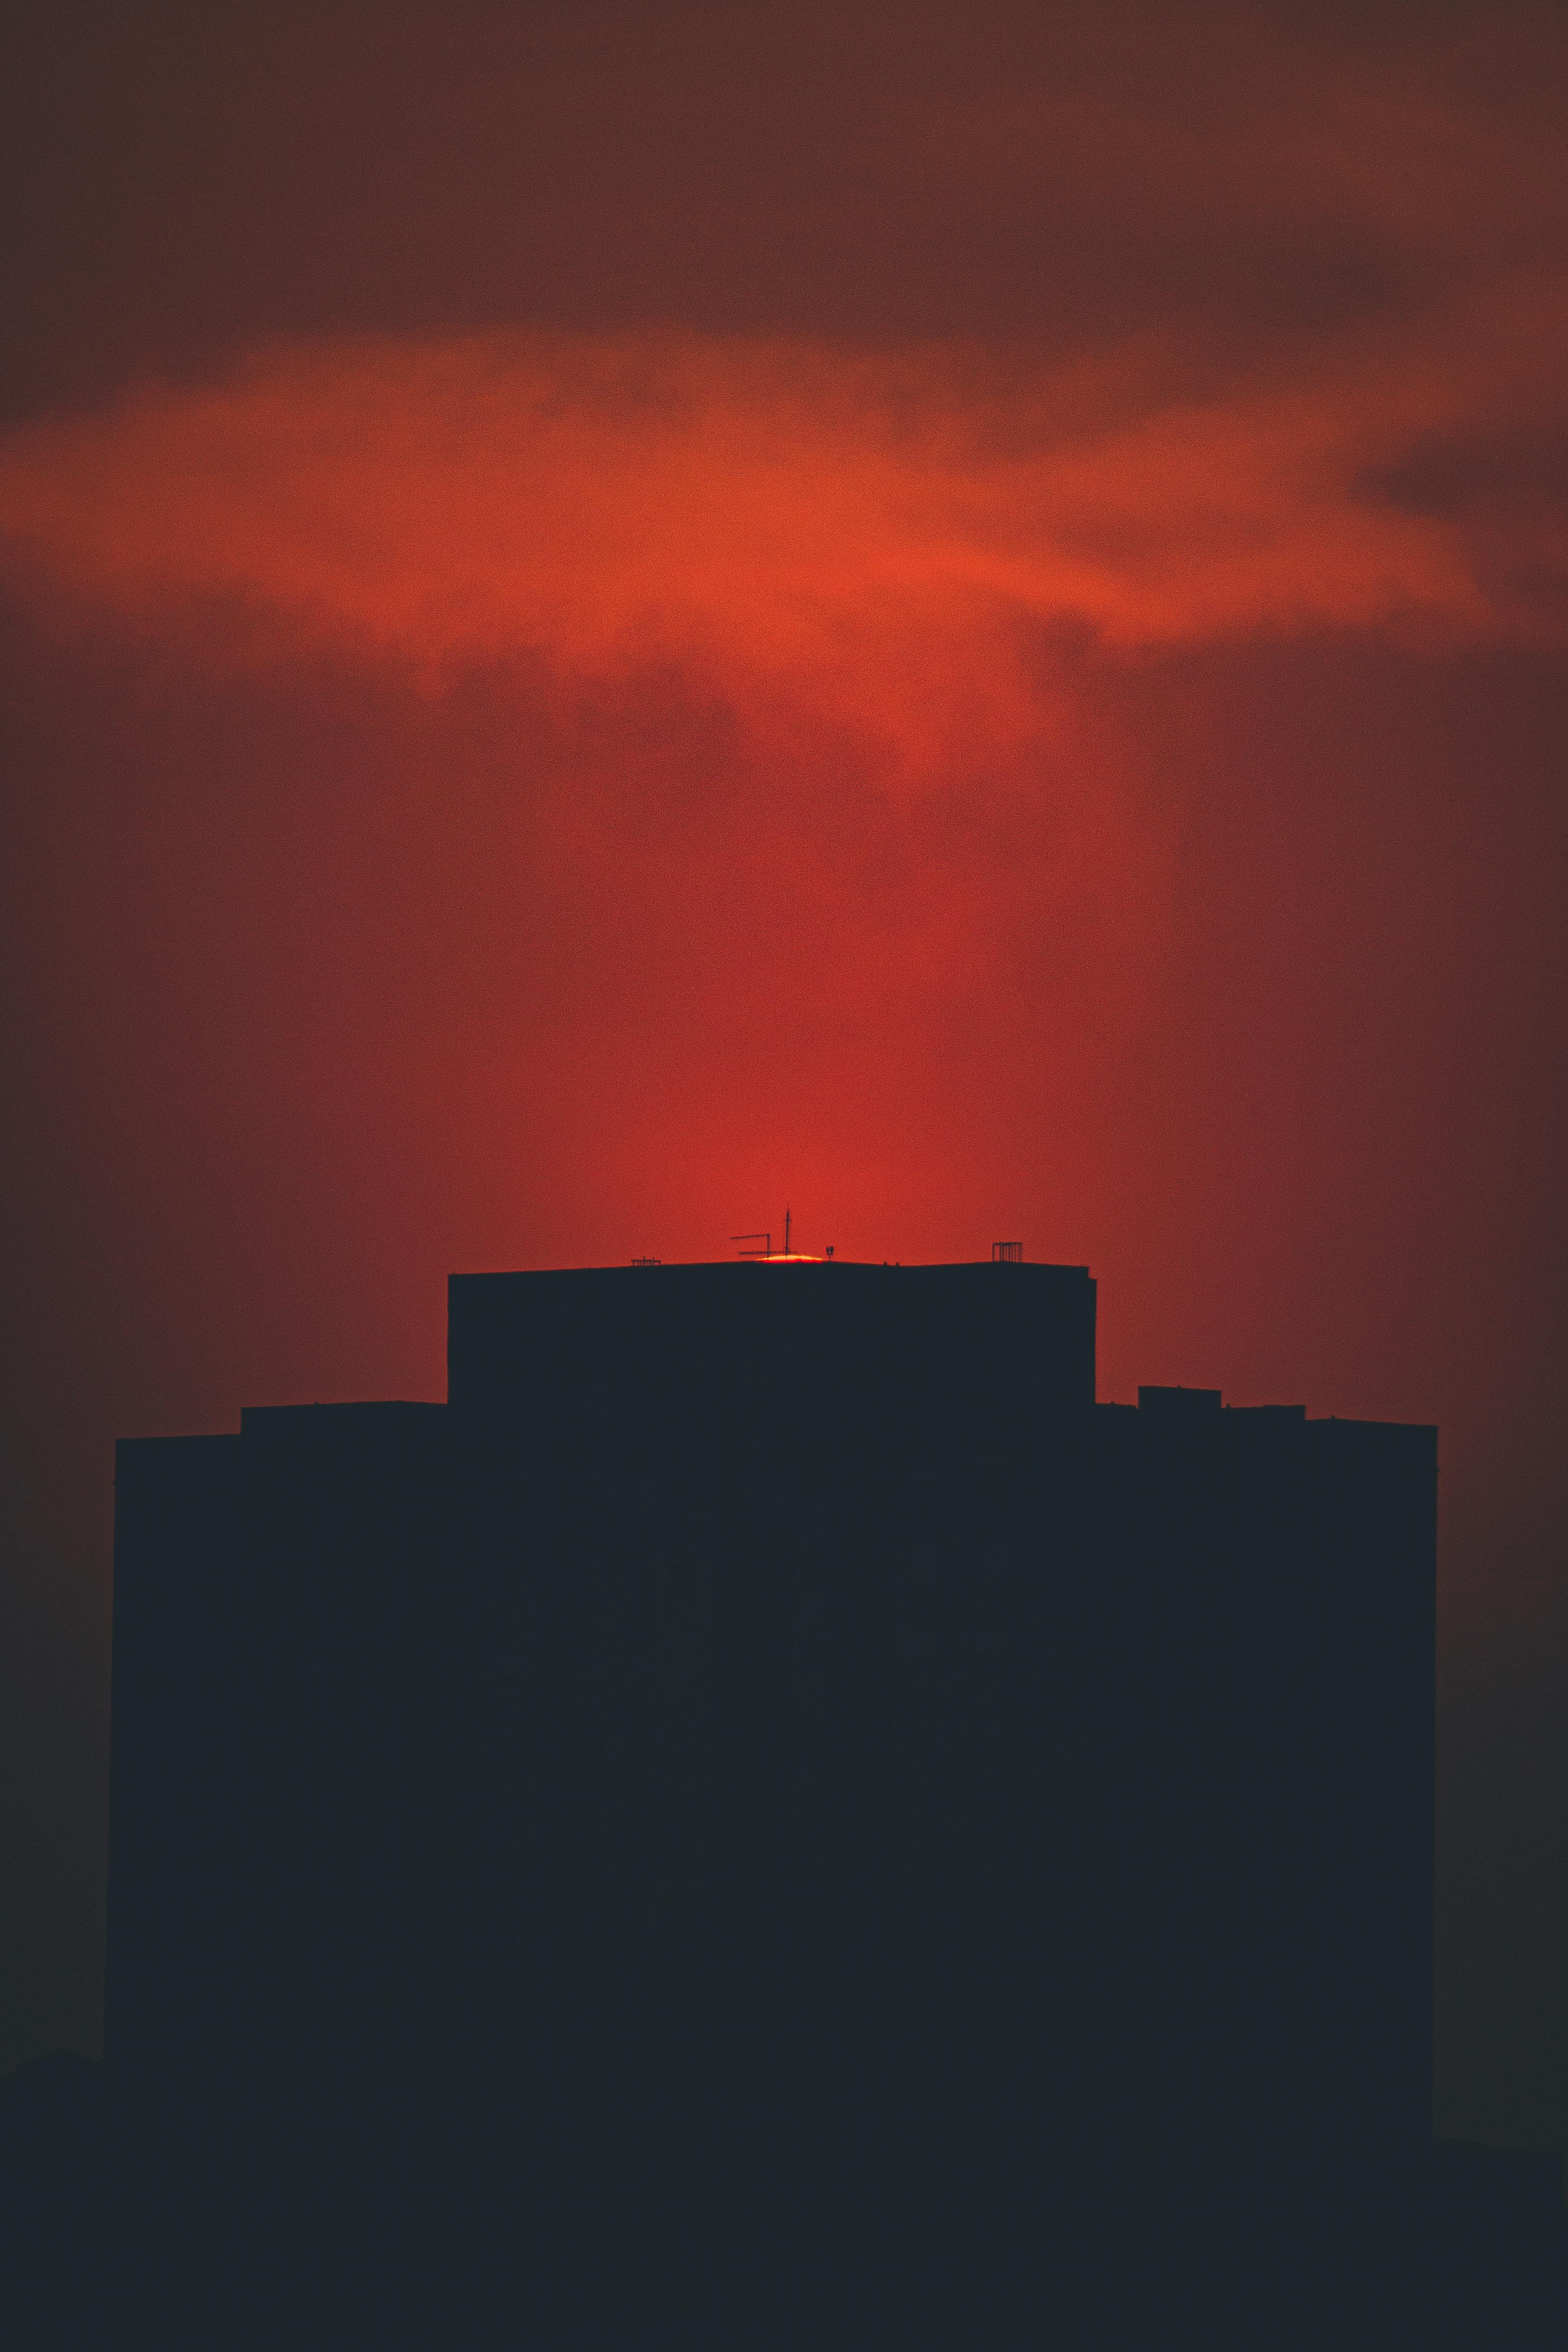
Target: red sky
612,617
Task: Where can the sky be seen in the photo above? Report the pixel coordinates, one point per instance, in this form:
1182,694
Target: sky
612,617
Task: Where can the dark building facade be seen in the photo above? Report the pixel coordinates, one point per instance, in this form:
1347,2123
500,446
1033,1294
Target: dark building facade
772,1821
1502,2250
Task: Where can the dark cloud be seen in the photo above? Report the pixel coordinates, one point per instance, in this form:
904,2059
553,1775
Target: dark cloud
181,181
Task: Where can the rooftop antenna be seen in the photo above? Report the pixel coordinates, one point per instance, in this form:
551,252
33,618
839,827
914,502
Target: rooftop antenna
766,1240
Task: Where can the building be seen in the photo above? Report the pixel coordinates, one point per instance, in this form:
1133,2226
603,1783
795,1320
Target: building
772,1821
1502,2250
52,2186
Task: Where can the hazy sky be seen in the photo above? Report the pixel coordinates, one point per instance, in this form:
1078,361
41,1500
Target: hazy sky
617,617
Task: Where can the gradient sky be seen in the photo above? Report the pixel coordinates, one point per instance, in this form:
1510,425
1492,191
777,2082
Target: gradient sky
616,616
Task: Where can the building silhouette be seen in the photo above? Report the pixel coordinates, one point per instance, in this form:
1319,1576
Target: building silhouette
52,2186
772,1820
1502,2250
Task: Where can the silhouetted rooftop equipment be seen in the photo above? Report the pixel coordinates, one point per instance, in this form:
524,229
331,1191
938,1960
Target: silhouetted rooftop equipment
1006,1252
767,1242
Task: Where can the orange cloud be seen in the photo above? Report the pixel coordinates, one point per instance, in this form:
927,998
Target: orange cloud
878,537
